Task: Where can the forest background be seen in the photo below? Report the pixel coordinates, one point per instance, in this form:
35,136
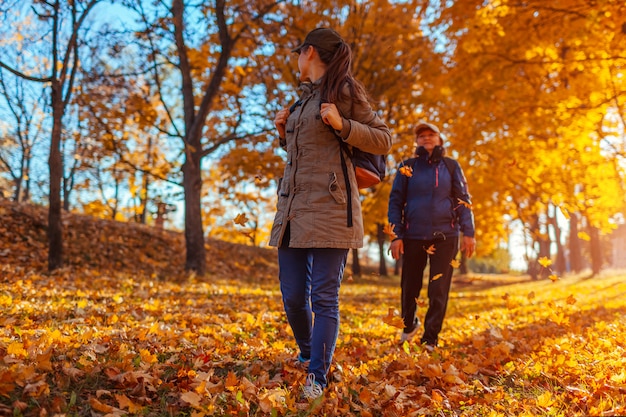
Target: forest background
121,109
111,111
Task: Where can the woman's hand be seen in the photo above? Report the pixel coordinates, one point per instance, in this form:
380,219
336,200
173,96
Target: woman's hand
330,115
281,120
397,249
468,246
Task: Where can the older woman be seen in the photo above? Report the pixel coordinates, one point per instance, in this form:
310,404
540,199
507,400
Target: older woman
429,205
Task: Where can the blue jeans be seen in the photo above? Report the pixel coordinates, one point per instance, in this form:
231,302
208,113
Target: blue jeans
309,281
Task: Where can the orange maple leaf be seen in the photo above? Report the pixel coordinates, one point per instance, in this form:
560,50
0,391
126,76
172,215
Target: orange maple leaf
431,250
464,203
231,382
241,219
389,230
407,171
393,320
455,263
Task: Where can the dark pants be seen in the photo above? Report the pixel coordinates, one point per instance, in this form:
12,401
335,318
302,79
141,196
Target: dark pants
413,264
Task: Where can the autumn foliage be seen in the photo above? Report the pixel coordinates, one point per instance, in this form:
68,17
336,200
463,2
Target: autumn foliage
119,333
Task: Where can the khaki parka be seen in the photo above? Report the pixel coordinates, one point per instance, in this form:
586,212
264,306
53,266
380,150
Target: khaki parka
312,196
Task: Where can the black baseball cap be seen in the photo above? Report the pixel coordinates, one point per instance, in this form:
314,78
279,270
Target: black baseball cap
322,38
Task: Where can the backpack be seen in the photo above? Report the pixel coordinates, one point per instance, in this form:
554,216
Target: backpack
369,169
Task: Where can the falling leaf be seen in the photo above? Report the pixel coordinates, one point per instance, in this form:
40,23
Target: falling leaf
241,219
389,230
545,262
436,277
584,236
553,277
393,320
407,171
455,263
464,203
431,250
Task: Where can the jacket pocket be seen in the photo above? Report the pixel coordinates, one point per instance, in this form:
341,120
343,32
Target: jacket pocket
334,189
283,188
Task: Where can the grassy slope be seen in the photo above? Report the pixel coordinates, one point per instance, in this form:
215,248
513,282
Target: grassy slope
122,331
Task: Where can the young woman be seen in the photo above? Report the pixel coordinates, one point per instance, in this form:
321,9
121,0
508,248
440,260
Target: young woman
317,221
427,215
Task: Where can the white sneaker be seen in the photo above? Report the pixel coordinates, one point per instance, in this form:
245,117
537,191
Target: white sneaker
311,389
405,337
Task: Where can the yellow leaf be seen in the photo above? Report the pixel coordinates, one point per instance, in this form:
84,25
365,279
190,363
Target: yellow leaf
571,300
553,278
436,277
545,262
17,349
455,263
147,357
584,236
545,400
531,295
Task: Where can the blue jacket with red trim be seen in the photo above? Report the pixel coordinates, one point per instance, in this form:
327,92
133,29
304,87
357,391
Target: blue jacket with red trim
425,206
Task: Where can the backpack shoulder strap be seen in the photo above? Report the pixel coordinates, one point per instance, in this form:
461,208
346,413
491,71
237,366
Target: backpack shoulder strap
451,165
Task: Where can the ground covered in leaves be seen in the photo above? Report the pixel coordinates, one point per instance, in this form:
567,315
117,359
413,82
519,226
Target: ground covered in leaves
121,331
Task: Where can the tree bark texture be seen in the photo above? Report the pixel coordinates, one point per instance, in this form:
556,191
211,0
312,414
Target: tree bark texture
55,163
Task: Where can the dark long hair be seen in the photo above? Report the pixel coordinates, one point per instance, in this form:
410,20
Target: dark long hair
339,73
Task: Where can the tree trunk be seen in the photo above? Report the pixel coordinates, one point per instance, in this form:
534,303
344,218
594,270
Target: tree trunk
575,255
55,164
356,265
382,265
596,250
194,235
463,270
560,265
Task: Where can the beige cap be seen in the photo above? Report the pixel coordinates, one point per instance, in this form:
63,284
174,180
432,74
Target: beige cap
426,126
